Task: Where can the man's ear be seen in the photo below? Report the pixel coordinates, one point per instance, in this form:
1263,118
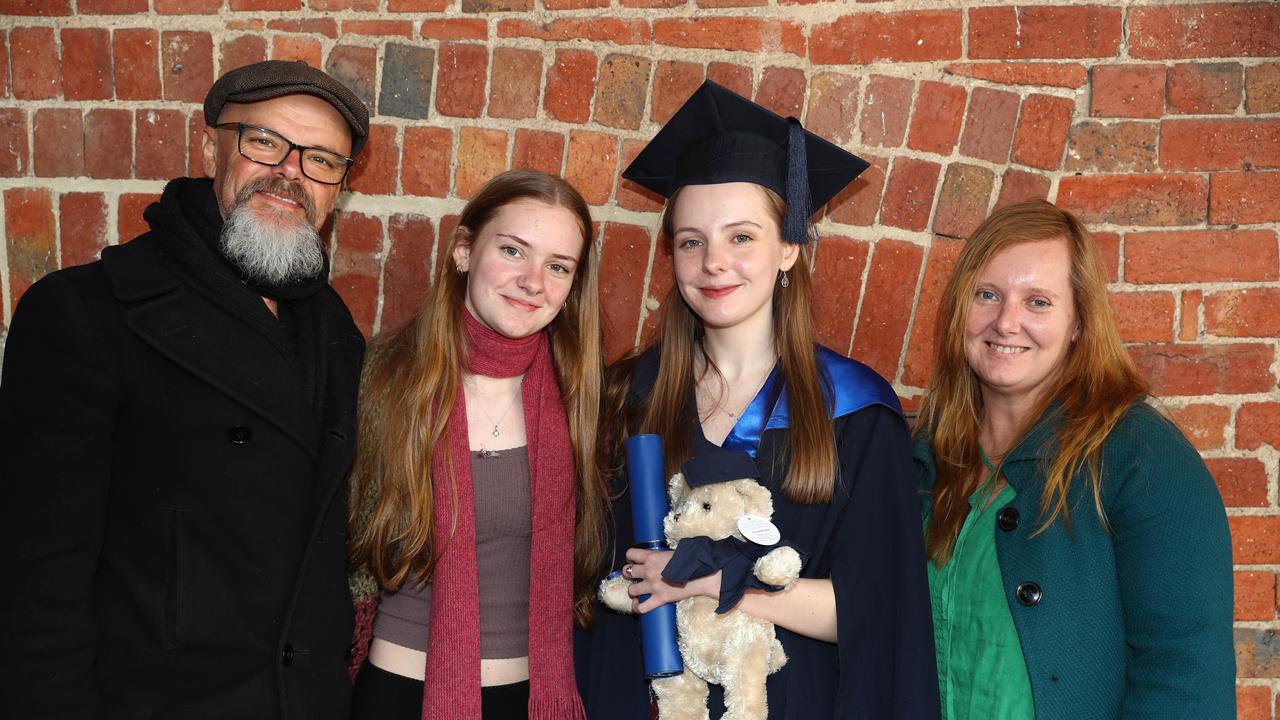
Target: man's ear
209,151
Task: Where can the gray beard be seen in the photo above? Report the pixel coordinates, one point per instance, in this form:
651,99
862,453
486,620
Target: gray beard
269,255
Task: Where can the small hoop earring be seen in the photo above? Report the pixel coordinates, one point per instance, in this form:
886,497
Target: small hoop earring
784,281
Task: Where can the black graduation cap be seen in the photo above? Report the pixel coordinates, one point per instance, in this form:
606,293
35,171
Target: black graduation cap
712,464
718,136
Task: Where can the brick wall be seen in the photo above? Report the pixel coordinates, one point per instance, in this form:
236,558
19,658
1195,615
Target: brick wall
1159,123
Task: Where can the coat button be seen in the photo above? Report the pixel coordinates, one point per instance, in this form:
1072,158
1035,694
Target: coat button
286,655
1007,519
239,434
1029,594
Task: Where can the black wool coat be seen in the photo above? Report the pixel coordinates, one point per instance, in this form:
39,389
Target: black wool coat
172,535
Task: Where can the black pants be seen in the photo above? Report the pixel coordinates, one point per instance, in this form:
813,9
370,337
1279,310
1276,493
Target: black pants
382,695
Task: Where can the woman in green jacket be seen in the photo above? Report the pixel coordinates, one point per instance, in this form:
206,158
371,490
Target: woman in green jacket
1079,557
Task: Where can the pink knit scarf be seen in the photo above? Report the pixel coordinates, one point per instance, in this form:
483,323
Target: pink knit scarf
452,687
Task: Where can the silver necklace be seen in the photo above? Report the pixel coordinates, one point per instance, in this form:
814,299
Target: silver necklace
496,423
719,406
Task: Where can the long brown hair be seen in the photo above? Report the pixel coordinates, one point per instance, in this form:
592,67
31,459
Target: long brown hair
1097,382
410,384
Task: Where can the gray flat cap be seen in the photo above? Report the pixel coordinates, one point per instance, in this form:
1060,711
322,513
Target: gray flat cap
273,78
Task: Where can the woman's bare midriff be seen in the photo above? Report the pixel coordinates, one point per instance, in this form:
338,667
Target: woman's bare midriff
411,663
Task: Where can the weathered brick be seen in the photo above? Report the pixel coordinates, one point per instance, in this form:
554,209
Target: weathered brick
88,75
345,4
1220,144
406,81
82,218
630,195
859,202
1206,369
657,293
4,89
837,280
59,142
455,29
129,221
325,26
35,7
1172,199
296,47
1023,33
378,28
731,76
416,5
1257,652
1127,91
861,38
517,77
245,24
241,50
908,196
751,34
482,6
195,142
1253,702
1019,185
357,265
108,143
482,153
1143,317
574,4
882,324
963,201
653,3
408,272
1244,198
1205,88
1109,247
571,82
939,113
187,64
624,258
355,67
34,64
538,150
989,126
1258,424
1262,88
1189,320
1255,539
1204,425
1197,256
14,158
29,238
592,164
884,111
1042,131
783,91
833,105
596,29
1247,312
1205,30
160,144
673,83
918,365
188,7
1035,74
425,165
1241,481
1112,147
376,168
249,5
621,91
1255,595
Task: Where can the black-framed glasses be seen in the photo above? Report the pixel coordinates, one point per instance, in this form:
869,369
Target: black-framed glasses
268,147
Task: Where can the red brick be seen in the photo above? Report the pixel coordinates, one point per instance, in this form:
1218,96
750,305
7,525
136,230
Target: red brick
111,7
963,201
34,65
733,77
482,154
882,322
1244,198
538,150
1175,199
357,265
1257,653
833,104
750,34
1205,88
355,67
1019,186
293,47
859,202
188,7
863,38
1143,317
416,5
939,113
1258,424
837,280
455,29
35,7
1220,144
1127,91
918,364
658,293
673,83
1042,131
59,142
1262,88
989,126
597,29
129,221
408,272
908,197
517,77
4,77
424,169
245,25
1024,33
1035,74
88,76
137,63
624,259
1204,425
592,164
327,27
1109,246
375,170
1242,481
1112,147
630,195
14,158
574,4
653,3
29,238
482,6
1189,320
240,51
1197,256
1253,702
160,149
1255,594
195,144
461,80
1207,30
188,64
378,28
621,91
570,85
82,217
1255,539
243,5
884,112
108,143
1207,369
1249,312
783,91
345,4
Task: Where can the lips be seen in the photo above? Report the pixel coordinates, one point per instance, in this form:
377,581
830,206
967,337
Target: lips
718,292
280,199
519,304
1006,349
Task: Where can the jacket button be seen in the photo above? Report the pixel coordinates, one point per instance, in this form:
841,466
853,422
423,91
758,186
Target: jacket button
1029,594
239,434
286,655
1007,519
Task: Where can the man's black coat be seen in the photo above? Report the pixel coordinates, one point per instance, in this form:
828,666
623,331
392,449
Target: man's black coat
172,533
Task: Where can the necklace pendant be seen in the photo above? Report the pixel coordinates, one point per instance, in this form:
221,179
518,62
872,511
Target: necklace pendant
495,431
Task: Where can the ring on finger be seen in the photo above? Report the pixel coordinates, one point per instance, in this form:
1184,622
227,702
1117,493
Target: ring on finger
626,572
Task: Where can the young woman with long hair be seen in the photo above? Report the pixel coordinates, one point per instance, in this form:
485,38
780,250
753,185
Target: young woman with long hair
1079,558
737,366
476,452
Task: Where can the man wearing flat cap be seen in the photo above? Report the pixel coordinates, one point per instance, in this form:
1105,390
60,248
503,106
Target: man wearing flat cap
176,421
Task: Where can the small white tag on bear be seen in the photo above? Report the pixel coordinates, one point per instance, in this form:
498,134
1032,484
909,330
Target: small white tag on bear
759,530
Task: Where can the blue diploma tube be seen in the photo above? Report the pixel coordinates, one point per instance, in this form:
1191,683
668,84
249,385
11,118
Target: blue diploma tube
647,477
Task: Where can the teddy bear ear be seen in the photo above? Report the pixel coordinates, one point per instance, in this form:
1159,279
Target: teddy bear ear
758,498
677,488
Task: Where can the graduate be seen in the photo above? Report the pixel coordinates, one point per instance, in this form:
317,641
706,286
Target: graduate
737,366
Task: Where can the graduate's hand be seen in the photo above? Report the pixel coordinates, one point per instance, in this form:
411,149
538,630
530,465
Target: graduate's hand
644,569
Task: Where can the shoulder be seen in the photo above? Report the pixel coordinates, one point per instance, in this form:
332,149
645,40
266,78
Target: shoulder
1143,435
852,385
62,292
1146,459
644,374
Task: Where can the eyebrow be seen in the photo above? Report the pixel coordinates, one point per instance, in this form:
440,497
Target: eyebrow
524,243
733,224
1030,290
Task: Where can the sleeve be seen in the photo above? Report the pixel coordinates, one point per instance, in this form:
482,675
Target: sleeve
57,401
1173,562
883,622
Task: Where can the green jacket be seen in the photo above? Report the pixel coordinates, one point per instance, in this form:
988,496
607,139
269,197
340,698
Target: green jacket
1135,623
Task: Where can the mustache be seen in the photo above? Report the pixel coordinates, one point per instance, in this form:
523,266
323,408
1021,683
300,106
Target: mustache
280,188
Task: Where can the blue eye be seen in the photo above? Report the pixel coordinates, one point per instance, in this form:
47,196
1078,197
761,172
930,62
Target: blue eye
1041,304
509,251
985,295
688,243
741,238
558,268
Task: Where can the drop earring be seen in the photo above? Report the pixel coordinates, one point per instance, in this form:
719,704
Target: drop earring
784,281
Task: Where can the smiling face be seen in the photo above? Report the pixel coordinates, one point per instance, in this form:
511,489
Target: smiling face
1022,320
728,252
520,266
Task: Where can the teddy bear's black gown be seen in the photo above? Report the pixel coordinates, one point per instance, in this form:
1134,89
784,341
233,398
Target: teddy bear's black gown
868,540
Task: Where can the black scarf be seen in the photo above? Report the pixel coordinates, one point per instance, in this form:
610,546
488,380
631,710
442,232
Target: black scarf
187,226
